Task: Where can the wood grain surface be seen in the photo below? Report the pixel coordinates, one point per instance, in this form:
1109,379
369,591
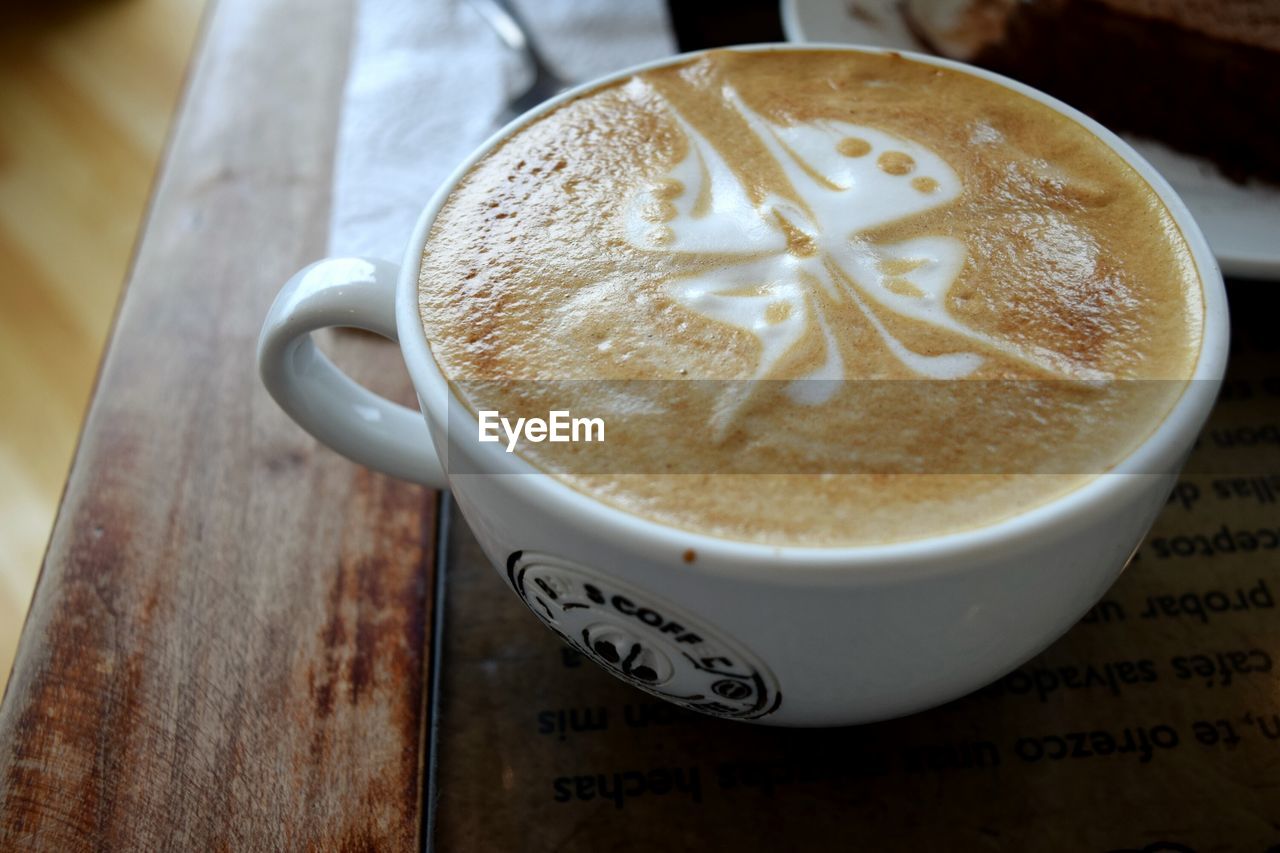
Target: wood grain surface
226,649
87,90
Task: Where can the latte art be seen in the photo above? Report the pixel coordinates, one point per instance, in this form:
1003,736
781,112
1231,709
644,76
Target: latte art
844,180
914,301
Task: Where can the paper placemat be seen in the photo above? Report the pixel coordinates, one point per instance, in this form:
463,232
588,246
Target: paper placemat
1154,725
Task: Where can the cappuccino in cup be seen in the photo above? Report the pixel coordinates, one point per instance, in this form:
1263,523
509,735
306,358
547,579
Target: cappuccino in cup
799,386
814,298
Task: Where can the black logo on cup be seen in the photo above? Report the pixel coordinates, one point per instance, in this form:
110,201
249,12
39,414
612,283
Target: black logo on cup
640,639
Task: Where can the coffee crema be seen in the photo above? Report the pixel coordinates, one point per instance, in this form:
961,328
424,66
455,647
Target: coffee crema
819,297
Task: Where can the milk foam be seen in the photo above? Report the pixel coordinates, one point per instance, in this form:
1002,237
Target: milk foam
827,220
847,179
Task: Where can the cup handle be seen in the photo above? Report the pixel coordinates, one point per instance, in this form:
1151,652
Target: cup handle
369,429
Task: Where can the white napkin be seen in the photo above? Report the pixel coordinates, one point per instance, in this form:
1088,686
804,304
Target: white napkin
426,82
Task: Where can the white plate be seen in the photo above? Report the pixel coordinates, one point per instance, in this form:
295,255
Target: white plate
1242,223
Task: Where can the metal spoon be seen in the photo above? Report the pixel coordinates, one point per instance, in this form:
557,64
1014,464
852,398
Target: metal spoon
502,17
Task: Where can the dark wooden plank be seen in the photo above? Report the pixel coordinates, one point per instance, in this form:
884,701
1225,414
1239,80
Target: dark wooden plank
226,649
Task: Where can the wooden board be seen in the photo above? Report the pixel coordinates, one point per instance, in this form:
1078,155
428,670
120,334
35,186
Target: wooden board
226,645
87,90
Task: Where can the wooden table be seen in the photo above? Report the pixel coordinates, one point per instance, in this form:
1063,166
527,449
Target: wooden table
228,644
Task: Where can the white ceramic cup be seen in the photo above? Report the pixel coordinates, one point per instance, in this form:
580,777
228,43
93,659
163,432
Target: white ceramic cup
796,636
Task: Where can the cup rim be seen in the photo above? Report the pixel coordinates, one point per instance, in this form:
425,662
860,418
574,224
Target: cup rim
1178,428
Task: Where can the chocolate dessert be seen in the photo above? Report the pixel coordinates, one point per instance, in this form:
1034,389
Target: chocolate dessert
1200,75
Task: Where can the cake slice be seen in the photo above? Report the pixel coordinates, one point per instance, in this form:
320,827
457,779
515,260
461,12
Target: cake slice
1203,76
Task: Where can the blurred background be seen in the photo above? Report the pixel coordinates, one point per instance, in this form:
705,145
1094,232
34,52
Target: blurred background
87,90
